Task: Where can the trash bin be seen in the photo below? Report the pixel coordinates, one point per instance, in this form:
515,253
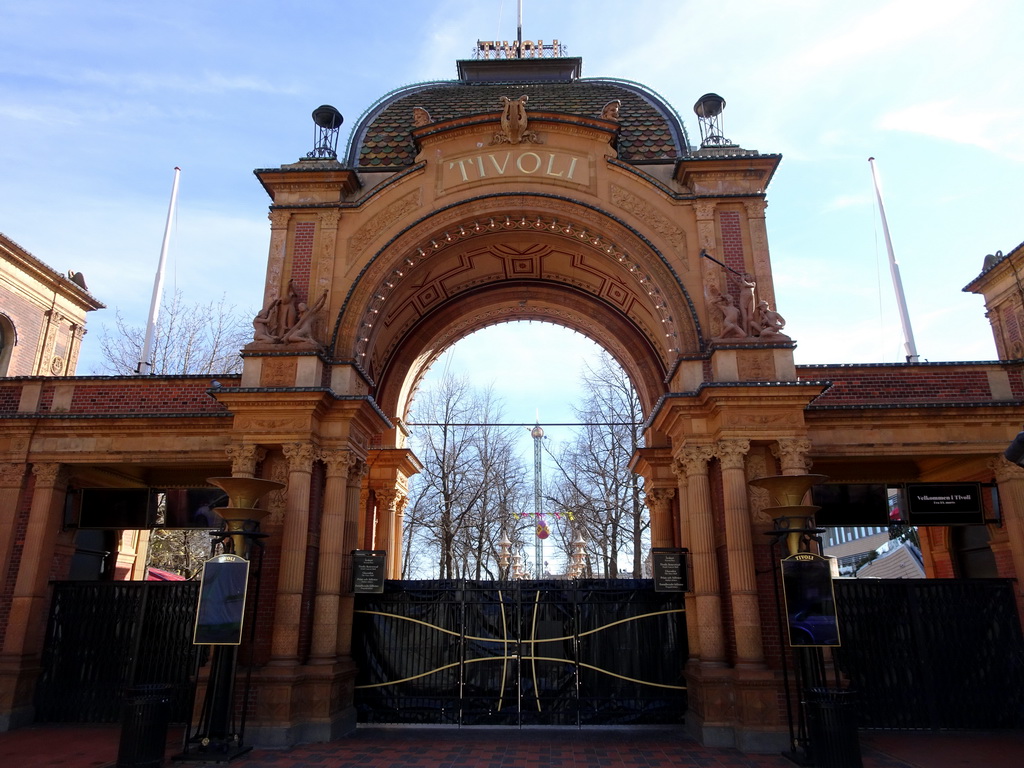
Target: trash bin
832,726
144,719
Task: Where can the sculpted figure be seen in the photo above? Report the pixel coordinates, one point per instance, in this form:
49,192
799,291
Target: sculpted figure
264,321
287,311
770,322
730,315
420,117
748,321
611,110
302,331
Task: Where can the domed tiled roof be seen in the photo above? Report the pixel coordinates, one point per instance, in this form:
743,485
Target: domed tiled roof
650,130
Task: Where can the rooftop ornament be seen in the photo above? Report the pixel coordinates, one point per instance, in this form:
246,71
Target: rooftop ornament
325,135
708,109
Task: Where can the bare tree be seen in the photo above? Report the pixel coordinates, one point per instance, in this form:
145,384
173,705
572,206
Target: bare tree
190,338
472,486
594,485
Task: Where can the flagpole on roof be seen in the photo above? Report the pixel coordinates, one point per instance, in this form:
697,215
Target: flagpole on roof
146,364
519,37
894,269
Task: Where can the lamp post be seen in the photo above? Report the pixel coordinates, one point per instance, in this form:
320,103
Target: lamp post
215,734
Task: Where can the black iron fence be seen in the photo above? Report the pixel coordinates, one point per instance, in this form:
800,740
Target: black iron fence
105,637
520,653
932,653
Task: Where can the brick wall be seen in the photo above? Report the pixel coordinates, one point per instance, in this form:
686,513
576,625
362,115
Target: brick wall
115,395
302,257
732,248
915,383
28,320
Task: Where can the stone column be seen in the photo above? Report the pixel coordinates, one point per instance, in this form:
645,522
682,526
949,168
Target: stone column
26,624
740,554
659,503
244,458
288,610
386,500
329,568
394,570
698,534
12,480
1010,479
357,470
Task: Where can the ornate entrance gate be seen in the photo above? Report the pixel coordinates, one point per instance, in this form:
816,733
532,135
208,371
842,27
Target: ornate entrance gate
520,653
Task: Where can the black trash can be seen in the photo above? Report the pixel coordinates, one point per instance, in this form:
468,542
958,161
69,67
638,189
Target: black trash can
144,720
832,726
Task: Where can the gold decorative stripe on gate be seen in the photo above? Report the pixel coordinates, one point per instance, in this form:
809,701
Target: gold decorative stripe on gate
411,677
508,658
524,641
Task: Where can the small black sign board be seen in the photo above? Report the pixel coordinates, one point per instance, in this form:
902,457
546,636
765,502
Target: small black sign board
945,504
368,570
670,569
810,600
221,601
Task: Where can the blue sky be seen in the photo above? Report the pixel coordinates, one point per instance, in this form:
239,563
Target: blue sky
99,101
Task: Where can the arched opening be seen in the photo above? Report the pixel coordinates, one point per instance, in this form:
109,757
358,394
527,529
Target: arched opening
561,497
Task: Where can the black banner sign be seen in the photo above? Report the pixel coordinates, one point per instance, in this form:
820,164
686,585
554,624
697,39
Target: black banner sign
810,600
945,504
221,601
670,569
368,570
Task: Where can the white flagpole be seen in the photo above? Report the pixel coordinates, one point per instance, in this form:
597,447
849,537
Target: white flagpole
145,364
894,269
519,47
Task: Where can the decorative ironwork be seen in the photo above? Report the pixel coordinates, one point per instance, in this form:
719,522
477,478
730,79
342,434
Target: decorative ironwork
104,637
934,653
520,653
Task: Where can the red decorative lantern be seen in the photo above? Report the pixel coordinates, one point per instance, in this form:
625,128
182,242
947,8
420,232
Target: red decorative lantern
542,531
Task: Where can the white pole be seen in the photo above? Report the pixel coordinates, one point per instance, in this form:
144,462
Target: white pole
145,364
894,269
519,37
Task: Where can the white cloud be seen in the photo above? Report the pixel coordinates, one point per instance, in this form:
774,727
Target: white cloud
985,124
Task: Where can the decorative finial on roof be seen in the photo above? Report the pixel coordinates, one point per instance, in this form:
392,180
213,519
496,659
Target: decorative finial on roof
421,117
513,123
611,110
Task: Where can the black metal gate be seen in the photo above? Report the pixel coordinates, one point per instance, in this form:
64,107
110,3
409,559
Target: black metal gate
932,653
520,653
106,636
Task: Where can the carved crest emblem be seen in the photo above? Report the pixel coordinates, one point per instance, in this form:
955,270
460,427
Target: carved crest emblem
513,123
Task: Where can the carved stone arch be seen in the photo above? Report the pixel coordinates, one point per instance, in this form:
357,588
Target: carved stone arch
502,303
561,242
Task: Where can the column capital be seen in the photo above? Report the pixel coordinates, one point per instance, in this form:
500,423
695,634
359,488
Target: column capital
244,458
11,474
731,452
279,219
755,208
300,456
1005,470
792,454
692,460
338,460
704,210
658,498
49,474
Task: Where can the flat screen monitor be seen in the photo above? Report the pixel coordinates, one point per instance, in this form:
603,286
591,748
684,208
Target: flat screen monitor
189,507
120,508
842,504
